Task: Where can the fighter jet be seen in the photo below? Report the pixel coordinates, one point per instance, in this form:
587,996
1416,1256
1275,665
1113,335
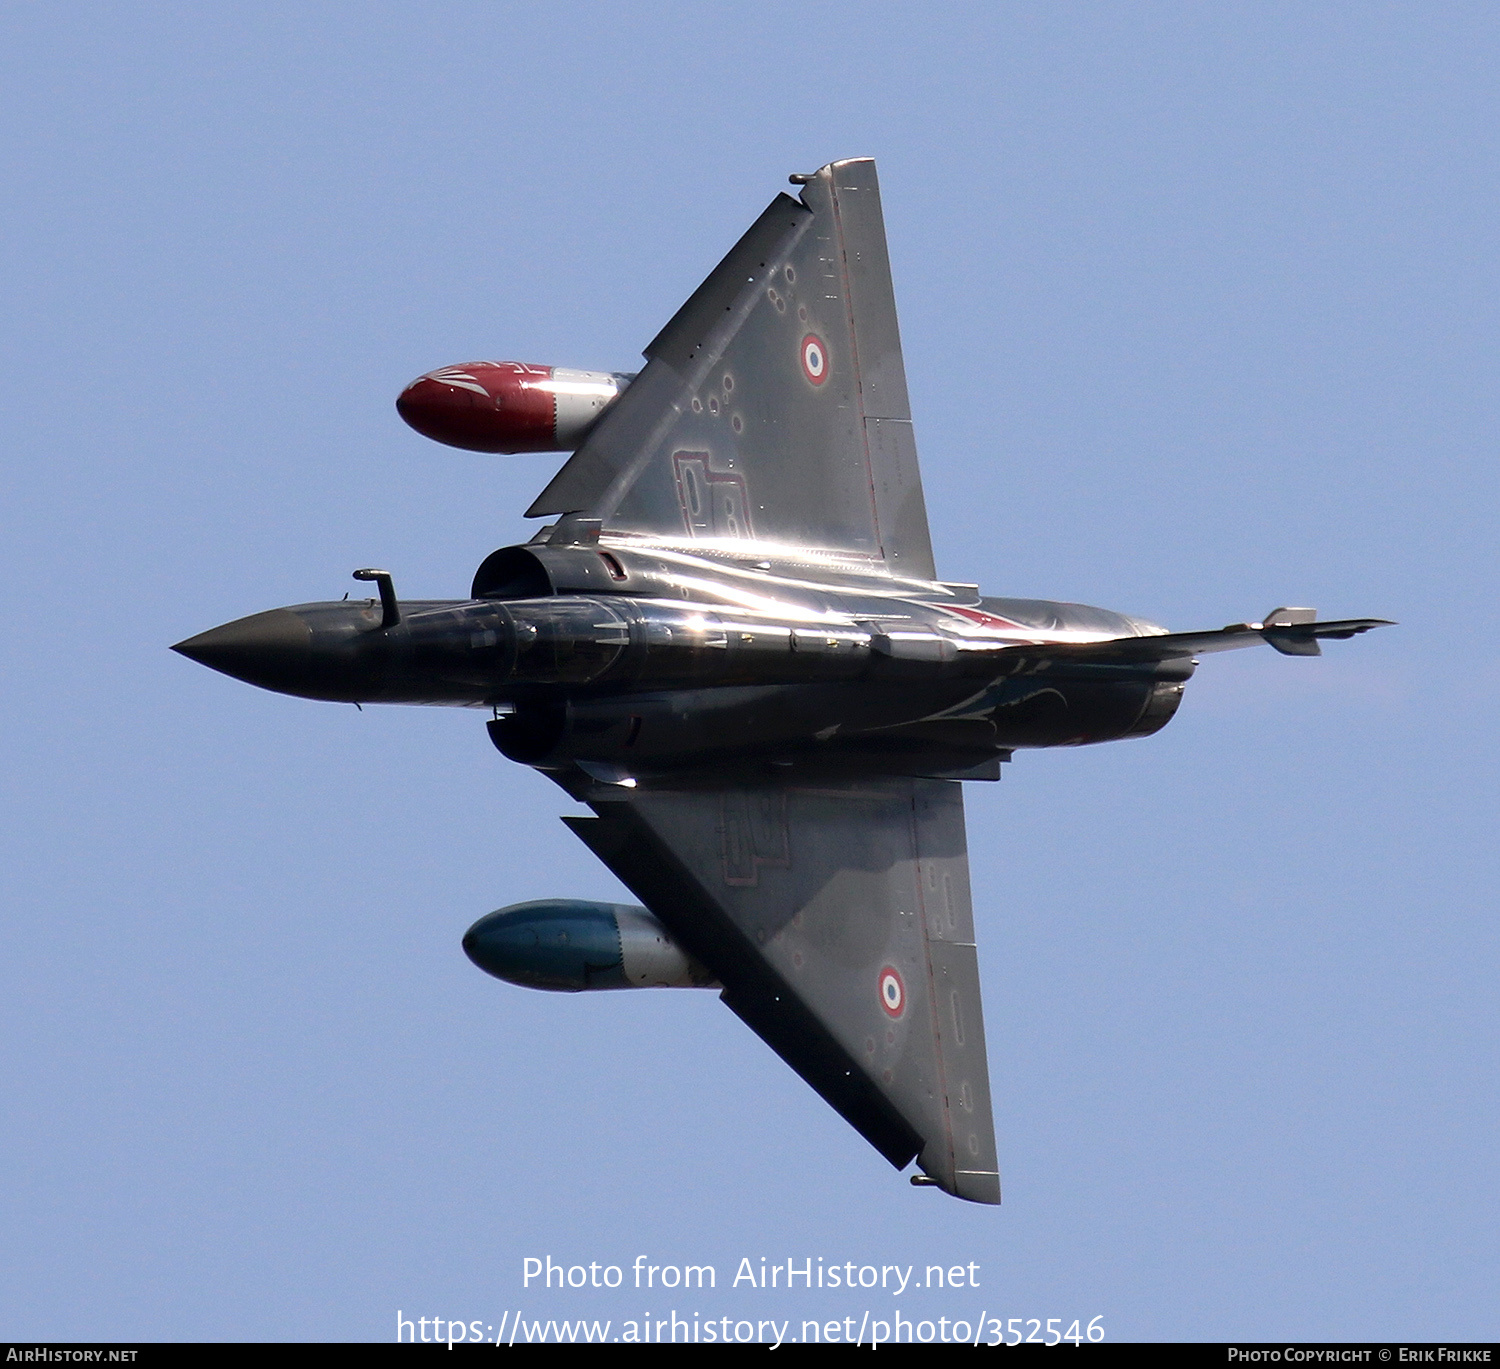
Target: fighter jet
730,643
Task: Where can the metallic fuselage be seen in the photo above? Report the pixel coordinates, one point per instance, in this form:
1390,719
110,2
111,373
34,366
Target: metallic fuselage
633,661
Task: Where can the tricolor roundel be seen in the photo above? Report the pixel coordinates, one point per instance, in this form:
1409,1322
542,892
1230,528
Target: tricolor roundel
814,359
892,992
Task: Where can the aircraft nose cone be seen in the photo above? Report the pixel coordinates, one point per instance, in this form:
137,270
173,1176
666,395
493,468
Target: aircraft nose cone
263,649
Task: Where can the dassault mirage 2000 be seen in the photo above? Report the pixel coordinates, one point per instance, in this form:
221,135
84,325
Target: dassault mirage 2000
732,645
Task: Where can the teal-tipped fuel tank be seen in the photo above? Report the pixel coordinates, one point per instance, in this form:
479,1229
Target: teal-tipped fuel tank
570,945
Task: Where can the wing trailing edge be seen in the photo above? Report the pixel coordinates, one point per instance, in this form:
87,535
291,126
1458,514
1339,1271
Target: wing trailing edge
1291,636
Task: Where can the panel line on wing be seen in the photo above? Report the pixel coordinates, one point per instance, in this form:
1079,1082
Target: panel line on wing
864,430
946,1110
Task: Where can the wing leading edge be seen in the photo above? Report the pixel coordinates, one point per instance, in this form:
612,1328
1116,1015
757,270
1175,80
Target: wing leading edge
772,409
839,921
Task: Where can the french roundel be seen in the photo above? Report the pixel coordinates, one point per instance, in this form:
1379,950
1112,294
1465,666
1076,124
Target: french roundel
892,992
814,359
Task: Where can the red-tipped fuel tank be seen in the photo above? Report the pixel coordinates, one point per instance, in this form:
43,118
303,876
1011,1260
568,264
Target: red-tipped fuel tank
509,406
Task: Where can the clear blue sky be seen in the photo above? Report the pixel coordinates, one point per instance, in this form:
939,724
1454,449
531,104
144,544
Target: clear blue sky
1199,307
